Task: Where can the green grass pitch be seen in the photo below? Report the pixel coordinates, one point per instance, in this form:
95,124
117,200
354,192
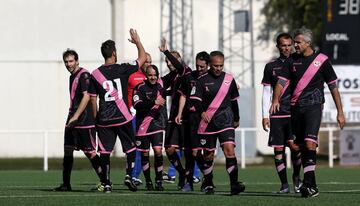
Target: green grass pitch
337,186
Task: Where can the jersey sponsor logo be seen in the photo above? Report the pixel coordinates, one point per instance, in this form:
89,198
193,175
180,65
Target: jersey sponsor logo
202,141
139,78
193,90
209,83
227,83
136,98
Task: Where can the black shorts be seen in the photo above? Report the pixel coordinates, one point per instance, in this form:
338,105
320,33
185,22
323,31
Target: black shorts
80,139
143,142
280,132
208,142
107,138
306,122
174,135
191,137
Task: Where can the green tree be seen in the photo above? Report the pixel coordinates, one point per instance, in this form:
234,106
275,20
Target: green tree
286,16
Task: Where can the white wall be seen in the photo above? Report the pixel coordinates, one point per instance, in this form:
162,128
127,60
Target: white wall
34,81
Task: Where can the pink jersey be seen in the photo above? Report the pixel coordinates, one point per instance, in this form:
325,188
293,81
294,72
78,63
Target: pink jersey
134,79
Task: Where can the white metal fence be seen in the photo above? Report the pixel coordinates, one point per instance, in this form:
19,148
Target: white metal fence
45,139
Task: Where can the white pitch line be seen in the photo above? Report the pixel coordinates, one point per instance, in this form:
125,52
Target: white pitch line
342,191
276,183
122,194
222,184
76,195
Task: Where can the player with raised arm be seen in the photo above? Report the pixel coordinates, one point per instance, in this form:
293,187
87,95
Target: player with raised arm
135,79
114,117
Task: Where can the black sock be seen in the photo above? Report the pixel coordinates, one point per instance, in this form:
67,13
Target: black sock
159,162
67,167
130,162
309,162
207,170
105,167
145,164
199,160
296,162
232,169
189,166
280,165
96,164
175,161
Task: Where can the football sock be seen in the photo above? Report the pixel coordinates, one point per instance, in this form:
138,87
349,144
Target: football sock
232,169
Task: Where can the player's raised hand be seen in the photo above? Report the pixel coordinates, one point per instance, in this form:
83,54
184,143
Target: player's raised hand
135,39
163,46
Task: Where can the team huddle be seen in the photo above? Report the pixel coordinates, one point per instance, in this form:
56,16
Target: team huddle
203,108
129,101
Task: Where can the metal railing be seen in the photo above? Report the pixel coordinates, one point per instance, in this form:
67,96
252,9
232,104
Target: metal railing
330,130
45,135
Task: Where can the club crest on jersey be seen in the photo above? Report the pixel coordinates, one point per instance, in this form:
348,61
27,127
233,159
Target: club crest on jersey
227,83
136,98
202,141
193,90
138,143
317,63
294,69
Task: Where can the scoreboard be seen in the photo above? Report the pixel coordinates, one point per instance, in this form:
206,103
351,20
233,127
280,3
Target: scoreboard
341,31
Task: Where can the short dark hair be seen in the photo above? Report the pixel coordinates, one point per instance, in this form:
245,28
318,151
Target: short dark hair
283,35
216,53
70,52
204,56
154,67
107,48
